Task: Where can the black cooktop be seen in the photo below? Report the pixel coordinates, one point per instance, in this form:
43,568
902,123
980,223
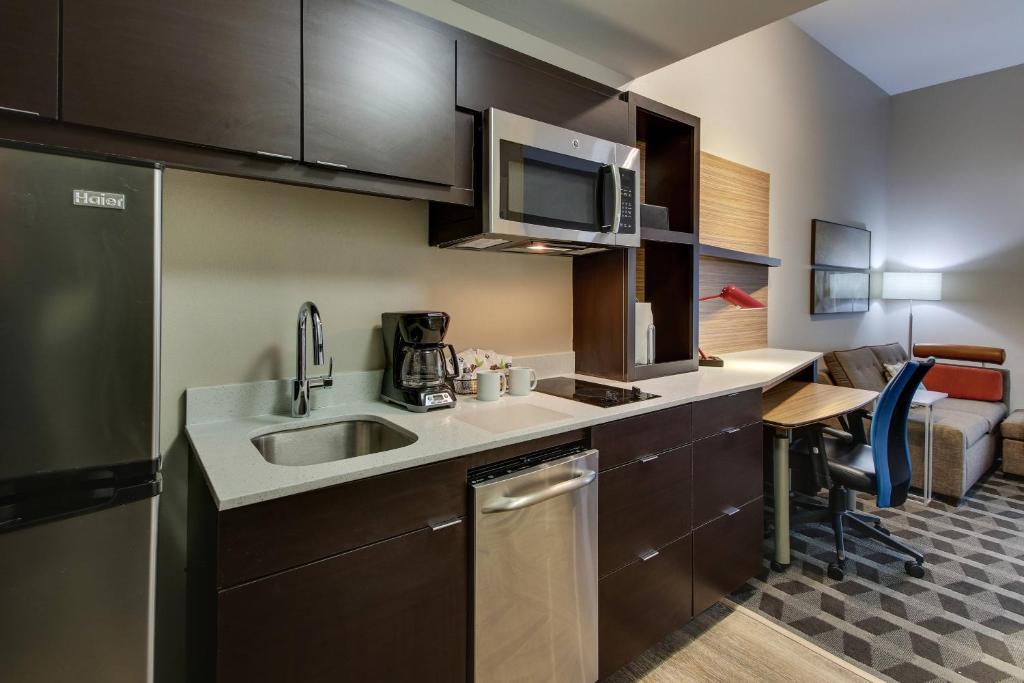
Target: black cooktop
603,395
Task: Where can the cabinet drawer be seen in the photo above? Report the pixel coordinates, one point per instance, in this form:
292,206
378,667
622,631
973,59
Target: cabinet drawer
394,611
642,603
726,553
643,505
625,440
263,538
710,417
727,472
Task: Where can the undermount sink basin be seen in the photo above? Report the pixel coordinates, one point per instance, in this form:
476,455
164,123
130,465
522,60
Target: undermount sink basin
330,442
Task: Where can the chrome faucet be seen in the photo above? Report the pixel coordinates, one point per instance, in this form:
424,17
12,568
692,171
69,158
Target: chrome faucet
301,385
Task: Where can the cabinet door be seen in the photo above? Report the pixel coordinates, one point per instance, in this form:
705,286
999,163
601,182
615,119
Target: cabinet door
491,75
727,472
223,74
642,603
643,505
726,552
392,611
379,90
29,49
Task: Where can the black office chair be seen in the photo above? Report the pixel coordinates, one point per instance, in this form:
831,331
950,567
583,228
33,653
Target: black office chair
845,463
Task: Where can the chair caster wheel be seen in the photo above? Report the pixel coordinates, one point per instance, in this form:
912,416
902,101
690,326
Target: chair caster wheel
883,529
836,572
914,569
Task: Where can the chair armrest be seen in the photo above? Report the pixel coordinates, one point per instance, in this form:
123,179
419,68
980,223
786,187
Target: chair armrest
855,421
814,440
838,433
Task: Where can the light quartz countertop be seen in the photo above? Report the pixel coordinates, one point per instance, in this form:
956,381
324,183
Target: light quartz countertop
222,421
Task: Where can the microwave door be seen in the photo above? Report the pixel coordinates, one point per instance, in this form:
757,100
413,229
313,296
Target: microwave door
549,195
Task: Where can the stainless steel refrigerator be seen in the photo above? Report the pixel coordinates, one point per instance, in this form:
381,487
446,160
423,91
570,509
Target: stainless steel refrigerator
79,463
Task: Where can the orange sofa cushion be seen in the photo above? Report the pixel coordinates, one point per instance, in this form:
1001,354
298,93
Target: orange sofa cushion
959,381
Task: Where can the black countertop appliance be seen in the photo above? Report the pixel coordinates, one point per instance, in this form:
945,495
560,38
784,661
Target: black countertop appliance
418,375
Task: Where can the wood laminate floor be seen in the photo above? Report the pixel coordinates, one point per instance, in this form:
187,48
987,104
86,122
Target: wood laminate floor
730,643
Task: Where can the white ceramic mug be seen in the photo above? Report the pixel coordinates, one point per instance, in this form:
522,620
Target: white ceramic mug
521,381
490,385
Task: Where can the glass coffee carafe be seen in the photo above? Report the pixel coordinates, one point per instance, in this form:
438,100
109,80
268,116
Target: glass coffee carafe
426,366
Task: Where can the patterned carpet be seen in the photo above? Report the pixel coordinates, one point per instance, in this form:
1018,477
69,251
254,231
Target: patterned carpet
964,621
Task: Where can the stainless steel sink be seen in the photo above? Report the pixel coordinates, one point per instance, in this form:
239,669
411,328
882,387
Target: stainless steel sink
330,442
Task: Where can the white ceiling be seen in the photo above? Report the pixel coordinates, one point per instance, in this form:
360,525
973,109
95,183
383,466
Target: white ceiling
908,44
635,37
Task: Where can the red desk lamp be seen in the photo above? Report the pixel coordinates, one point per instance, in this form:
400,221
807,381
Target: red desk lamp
734,296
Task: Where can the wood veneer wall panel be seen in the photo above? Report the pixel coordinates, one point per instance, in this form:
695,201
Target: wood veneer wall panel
724,329
733,205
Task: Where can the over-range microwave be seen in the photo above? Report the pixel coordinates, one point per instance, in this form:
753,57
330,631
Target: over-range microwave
544,189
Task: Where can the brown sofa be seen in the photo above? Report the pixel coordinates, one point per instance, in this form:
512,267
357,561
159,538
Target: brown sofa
966,436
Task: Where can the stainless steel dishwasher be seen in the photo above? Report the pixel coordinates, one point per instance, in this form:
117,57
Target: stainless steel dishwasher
535,568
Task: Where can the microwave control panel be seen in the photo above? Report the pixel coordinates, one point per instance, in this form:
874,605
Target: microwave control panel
627,214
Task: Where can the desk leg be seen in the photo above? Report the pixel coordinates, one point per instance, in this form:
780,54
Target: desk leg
928,463
781,486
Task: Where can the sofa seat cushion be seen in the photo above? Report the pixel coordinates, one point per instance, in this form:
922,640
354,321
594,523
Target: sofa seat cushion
953,427
857,368
1013,426
993,412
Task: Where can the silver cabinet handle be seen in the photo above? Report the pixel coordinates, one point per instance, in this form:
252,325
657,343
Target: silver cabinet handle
444,524
507,504
331,164
648,555
730,511
21,111
275,155
648,458
730,430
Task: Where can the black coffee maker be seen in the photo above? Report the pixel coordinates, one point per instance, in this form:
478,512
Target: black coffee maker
418,375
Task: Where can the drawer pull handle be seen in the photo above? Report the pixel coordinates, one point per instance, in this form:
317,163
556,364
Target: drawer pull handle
730,511
730,430
21,111
331,164
437,526
648,555
275,155
648,458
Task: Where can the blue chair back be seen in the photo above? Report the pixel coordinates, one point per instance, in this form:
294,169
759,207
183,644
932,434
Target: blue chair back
890,448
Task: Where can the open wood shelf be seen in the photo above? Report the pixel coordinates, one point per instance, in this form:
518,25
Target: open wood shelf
739,256
673,236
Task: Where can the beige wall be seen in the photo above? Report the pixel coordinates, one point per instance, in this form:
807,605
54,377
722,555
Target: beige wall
240,256
956,205
776,100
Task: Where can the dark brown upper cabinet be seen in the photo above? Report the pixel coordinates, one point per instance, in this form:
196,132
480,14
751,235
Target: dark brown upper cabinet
223,74
379,90
492,75
29,56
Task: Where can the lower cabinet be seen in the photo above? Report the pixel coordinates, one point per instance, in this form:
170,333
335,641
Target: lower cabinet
642,603
726,552
392,611
369,580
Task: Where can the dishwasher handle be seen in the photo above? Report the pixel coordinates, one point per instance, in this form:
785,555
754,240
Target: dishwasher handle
584,478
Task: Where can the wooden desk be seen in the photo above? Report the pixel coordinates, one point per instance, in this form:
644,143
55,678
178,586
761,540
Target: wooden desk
795,404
